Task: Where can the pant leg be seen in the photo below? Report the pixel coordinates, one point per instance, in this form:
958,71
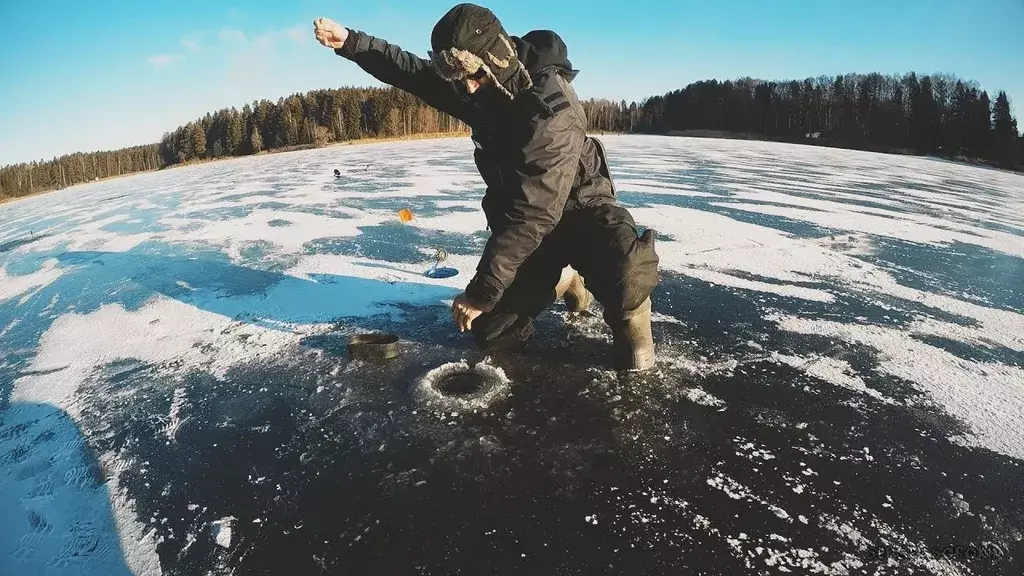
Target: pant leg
620,267
532,291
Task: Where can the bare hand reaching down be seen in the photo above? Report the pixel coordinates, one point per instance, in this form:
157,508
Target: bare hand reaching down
329,33
463,313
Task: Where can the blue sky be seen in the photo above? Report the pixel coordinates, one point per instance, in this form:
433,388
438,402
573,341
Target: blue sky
100,75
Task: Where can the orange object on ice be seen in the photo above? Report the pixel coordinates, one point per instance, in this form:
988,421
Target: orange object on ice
405,214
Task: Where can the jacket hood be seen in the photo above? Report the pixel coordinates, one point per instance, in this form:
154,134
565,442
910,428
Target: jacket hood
540,49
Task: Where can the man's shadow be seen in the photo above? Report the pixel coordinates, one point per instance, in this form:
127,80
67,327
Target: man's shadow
54,498
274,300
211,282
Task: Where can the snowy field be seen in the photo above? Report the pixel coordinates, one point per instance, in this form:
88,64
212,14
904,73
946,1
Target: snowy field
839,386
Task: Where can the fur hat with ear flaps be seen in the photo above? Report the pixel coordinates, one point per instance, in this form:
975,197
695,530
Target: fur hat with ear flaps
469,41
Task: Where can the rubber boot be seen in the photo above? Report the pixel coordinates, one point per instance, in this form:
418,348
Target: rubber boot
571,288
633,346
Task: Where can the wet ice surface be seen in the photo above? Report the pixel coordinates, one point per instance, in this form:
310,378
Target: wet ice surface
839,387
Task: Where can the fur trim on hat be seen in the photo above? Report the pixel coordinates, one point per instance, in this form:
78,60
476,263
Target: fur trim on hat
454,64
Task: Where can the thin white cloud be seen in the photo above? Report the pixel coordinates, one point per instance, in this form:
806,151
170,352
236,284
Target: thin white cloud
264,42
269,40
300,34
255,67
190,43
162,60
232,36
247,50
198,40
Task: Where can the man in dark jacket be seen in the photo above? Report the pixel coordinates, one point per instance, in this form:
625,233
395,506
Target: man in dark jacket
550,199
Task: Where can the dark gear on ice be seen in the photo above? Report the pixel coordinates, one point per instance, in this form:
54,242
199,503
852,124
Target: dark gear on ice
550,199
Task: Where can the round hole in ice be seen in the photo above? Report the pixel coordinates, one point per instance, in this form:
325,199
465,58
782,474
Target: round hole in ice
459,386
460,383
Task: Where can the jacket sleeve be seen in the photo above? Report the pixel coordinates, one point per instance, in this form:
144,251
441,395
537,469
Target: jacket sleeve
541,182
392,65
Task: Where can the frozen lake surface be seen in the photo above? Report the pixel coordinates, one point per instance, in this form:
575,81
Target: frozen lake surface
839,386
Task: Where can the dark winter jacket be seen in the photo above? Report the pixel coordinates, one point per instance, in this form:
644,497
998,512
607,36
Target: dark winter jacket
532,151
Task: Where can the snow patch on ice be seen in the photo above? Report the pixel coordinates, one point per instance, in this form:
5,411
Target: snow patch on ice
222,531
737,491
457,222
170,430
884,536
713,247
237,233
697,395
752,452
410,278
649,186
666,319
86,234
831,370
909,227
162,330
138,543
757,553
701,366
987,397
14,286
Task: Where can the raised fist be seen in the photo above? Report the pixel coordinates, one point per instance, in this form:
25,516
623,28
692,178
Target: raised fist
329,33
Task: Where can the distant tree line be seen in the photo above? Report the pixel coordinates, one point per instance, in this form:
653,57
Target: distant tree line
26,178
935,115
939,115
316,118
